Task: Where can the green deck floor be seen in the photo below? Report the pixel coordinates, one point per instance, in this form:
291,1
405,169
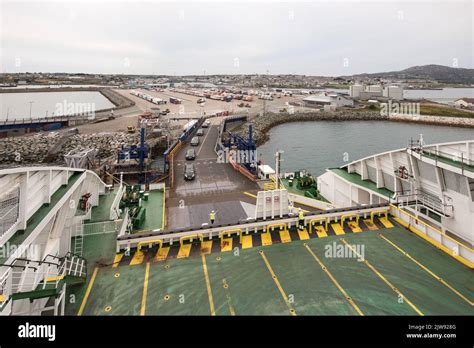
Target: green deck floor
154,211
457,164
356,179
241,282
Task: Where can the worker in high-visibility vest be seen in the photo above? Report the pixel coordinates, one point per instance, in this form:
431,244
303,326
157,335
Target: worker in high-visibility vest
212,217
300,219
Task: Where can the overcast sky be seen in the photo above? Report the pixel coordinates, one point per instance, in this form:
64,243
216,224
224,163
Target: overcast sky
193,37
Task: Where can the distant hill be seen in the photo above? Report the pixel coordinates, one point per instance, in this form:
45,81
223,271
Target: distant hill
438,73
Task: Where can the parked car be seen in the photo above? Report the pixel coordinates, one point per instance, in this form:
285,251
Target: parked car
195,141
200,132
190,154
189,172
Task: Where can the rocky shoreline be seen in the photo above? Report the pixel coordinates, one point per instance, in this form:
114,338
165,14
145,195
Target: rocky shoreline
34,149
263,124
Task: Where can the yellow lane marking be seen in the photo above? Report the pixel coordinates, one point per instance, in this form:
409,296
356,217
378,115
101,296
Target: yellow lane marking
370,225
88,291
354,226
329,274
229,300
226,244
285,236
206,247
208,285
184,250
137,258
385,280
321,231
266,238
162,254
3,298
303,234
434,275
54,278
337,229
277,282
385,222
145,288
247,242
117,259
250,195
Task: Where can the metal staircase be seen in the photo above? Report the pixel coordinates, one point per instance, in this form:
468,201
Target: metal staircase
79,239
31,279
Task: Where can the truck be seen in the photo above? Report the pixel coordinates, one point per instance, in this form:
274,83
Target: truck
175,100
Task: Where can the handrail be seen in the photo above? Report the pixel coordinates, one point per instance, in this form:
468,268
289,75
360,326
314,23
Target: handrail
432,228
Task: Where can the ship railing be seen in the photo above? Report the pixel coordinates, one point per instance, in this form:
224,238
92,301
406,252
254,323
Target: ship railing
427,200
456,156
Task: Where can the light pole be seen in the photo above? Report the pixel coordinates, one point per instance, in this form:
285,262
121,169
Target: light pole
31,104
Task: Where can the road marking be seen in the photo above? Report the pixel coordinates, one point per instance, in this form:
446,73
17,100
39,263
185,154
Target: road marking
277,282
434,275
370,225
162,254
334,280
226,244
337,229
184,251
303,234
385,280
266,238
145,289
285,236
354,226
206,247
117,259
385,222
208,285
247,241
137,258
202,144
321,231
250,195
88,291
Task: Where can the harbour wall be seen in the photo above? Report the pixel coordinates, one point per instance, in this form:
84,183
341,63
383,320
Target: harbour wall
263,124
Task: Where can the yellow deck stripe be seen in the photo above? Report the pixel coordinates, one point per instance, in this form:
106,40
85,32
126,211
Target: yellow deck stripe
247,242
370,225
226,244
250,195
385,280
266,238
162,254
385,222
285,236
334,280
337,229
54,278
434,275
117,259
208,285
206,247
145,289
3,298
277,282
303,234
88,291
137,258
354,226
321,231
184,250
